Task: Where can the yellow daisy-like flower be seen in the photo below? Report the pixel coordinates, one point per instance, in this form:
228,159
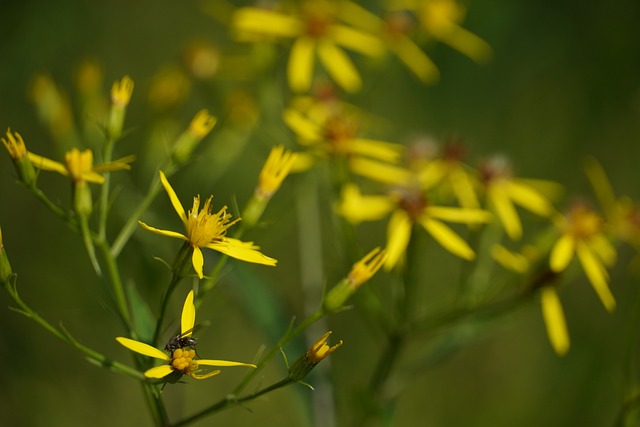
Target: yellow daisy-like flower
318,27
505,191
407,204
332,130
79,166
581,235
207,230
181,360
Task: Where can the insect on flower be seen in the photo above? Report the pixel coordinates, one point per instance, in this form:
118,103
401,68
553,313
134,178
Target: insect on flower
183,340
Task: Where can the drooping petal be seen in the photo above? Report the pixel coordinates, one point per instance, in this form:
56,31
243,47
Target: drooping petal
47,164
167,233
380,172
529,198
142,348
300,66
198,261
398,235
415,59
604,249
173,197
159,371
463,188
510,260
304,128
357,208
204,376
244,251
188,318
596,274
339,66
554,320
209,362
448,238
562,253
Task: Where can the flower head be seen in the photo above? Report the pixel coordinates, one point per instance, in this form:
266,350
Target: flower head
274,171
204,229
581,234
317,27
182,361
18,152
121,92
314,355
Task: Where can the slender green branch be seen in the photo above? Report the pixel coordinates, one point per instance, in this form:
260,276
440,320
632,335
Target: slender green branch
103,205
116,284
89,245
231,401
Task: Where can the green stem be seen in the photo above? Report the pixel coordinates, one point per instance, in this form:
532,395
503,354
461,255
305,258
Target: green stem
116,285
231,400
88,244
288,336
175,279
103,205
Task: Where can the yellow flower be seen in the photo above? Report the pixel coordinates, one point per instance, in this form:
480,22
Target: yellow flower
505,191
581,234
79,166
207,230
407,204
181,360
316,29
332,130
274,171
320,349
121,92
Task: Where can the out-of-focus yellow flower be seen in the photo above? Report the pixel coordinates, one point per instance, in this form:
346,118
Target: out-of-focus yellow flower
207,230
169,88
408,204
121,92
199,127
318,27
202,59
274,171
581,234
53,108
79,166
333,131
181,360
504,191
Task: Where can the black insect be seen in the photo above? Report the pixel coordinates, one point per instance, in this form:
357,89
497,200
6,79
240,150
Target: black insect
182,340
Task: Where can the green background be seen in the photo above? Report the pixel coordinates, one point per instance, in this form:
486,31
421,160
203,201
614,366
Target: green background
564,83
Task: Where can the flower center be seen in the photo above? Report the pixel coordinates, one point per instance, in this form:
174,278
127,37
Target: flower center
203,227
183,360
339,132
79,164
583,222
413,201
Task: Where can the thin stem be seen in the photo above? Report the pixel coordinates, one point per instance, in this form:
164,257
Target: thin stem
288,336
116,285
231,400
103,205
88,244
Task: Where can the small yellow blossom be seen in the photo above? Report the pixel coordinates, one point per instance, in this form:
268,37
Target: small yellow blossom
121,92
201,124
207,230
581,234
182,360
360,273
318,27
199,127
169,87
274,171
15,145
407,204
320,349
79,166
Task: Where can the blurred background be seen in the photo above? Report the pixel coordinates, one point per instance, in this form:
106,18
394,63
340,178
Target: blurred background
564,83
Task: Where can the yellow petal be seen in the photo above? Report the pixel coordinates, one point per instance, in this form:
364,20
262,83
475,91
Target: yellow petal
604,249
244,251
300,66
448,238
600,183
529,198
380,172
263,21
562,253
47,164
167,233
379,150
304,128
460,215
208,362
198,261
415,59
398,235
204,376
510,260
357,208
159,371
142,348
463,188
188,319
554,320
596,274
505,211
356,40
339,66
173,197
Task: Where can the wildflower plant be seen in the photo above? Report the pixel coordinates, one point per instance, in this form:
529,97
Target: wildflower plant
324,212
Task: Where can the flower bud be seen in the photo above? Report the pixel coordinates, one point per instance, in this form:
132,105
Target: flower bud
316,353
5,267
